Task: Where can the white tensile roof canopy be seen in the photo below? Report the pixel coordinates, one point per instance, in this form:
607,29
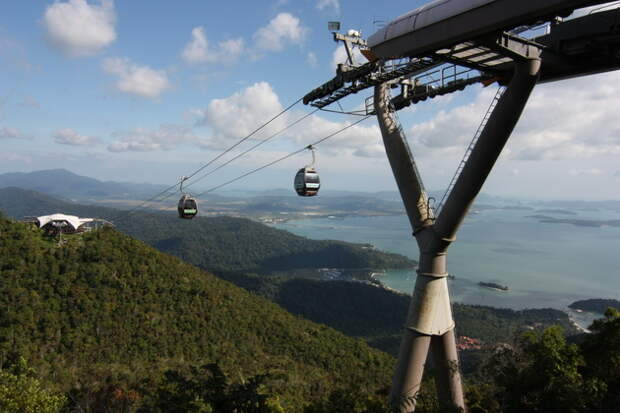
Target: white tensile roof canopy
72,220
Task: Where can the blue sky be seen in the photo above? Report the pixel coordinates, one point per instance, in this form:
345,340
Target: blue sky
147,91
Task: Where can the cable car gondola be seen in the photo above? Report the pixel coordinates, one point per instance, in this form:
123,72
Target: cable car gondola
307,182
187,204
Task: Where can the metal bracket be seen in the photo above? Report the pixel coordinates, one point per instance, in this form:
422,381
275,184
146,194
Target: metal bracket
513,46
349,41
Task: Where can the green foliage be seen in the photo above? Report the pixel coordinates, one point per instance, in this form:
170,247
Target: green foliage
207,389
239,244
105,301
494,325
123,328
215,244
545,373
22,393
378,314
596,305
351,400
546,377
601,351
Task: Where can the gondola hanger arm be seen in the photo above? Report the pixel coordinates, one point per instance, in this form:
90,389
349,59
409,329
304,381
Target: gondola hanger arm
182,179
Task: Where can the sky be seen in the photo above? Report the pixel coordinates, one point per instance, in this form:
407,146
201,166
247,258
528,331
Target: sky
151,90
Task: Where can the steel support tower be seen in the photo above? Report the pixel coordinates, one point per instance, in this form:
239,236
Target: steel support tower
578,47
429,323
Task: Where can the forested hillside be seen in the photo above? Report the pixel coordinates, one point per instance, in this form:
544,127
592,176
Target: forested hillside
378,315
215,244
237,244
109,324
66,184
106,307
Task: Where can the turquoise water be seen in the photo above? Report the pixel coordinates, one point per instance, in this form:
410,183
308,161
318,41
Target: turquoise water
544,264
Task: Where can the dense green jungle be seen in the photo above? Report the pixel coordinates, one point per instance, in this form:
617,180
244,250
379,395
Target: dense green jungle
104,323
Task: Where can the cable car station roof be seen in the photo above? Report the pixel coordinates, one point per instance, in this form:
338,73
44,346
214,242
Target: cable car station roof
71,220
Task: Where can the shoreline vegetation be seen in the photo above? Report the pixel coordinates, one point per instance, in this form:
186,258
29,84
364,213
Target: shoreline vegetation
595,305
494,286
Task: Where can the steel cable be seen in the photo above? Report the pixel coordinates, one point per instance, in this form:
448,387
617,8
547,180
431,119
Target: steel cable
128,212
283,157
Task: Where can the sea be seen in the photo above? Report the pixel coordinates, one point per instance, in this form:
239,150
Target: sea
545,265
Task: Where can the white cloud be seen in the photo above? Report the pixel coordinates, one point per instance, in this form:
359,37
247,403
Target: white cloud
359,140
282,30
340,56
13,54
329,4
29,102
68,136
572,119
199,51
167,137
448,133
137,80
77,28
586,172
238,115
196,51
233,118
15,157
371,151
312,60
12,133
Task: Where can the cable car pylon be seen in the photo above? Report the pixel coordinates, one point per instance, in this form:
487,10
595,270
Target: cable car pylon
429,324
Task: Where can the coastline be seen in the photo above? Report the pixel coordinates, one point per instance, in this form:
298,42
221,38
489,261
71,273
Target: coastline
543,265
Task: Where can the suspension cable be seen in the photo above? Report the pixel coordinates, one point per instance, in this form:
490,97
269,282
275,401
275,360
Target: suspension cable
283,158
127,213
245,152
252,148
146,202
244,139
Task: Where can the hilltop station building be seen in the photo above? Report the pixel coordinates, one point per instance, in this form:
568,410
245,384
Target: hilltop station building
66,224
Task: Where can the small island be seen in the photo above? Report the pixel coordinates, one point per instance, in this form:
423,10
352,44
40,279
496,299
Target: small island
595,305
493,286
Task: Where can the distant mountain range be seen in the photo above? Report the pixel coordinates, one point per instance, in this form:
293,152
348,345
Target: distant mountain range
69,186
279,203
65,184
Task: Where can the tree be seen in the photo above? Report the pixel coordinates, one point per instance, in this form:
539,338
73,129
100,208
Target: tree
601,351
207,389
21,393
541,374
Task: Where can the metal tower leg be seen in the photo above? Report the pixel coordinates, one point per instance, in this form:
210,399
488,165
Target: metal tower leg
488,148
430,323
449,385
